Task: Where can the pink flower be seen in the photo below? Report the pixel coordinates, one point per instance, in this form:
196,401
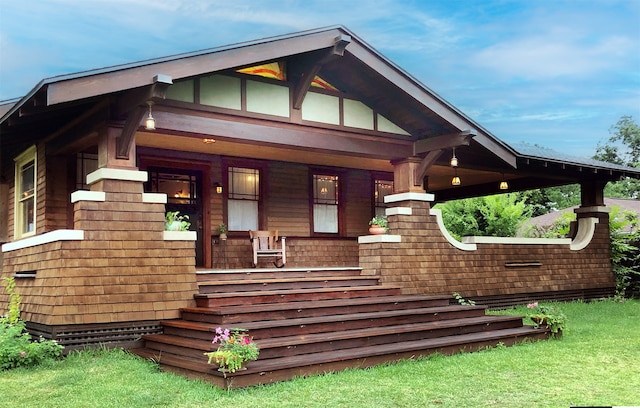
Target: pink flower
532,305
23,354
221,335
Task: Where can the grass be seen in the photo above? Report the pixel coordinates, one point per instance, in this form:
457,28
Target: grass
594,364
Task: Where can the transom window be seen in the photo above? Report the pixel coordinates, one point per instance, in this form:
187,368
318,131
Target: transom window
25,196
180,188
325,203
243,199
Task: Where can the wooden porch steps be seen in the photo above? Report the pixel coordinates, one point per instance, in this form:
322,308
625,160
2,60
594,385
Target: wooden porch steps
252,284
291,295
308,324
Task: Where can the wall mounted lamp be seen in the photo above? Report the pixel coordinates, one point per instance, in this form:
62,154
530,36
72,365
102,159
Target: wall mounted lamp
218,187
150,123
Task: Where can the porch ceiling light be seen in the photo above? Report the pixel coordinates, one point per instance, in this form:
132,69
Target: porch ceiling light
150,123
454,159
455,181
503,184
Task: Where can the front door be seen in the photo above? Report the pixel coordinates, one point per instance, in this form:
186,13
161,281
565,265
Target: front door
184,194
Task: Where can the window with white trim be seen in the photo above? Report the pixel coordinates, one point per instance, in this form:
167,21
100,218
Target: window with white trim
25,194
243,199
325,203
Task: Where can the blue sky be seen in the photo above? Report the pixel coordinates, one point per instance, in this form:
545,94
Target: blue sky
549,72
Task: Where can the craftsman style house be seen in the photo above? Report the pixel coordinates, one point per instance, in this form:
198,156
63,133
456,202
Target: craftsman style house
309,134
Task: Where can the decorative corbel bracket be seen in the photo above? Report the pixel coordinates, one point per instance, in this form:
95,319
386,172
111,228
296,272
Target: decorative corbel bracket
134,106
306,69
435,146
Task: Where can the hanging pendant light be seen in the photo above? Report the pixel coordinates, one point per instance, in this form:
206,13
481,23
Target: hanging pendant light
455,181
454,160
150,122
503,184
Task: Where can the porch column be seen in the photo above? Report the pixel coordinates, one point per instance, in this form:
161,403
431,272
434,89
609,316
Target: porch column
107,150
592,206
405,176
592,193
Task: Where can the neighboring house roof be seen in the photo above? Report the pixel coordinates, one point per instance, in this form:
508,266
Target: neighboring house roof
548,219
57,105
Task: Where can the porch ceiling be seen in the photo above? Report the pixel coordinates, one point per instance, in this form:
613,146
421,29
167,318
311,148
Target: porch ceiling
255,151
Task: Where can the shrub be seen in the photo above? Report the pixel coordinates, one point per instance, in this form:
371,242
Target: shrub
624,234
17,349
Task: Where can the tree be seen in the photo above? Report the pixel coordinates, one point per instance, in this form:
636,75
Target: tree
497,215
623,148
545,200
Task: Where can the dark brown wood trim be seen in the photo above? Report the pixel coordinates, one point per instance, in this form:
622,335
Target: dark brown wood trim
274,134
180,68
443,142
123,144
328,171
204,167
425,164
263,172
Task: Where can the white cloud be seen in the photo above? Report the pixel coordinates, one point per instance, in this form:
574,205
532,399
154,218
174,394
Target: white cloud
557,54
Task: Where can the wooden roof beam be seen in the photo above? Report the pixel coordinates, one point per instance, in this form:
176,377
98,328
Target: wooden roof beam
304,71
256,133
139,96
444,142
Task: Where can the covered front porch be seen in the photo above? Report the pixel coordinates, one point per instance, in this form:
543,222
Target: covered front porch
92,162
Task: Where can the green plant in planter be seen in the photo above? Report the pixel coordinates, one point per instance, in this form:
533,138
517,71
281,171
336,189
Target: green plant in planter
548,316
222,231
234,350
173,221
379,221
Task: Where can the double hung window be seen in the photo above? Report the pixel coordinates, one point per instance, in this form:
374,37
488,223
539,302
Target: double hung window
25,193
325,203
244,199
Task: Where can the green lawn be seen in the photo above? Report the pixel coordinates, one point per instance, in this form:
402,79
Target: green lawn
597,362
